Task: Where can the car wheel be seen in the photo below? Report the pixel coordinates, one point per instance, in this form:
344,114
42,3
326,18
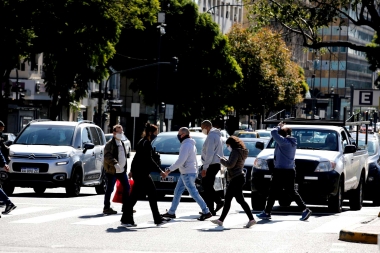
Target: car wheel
8,189
335,203
160,195
102,188
257,201
39,190
356,197
74,184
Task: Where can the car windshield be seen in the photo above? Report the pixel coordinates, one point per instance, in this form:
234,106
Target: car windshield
46,135
313,139
250,145
169,144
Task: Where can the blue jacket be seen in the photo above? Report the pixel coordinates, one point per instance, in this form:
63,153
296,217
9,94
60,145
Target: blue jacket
284,151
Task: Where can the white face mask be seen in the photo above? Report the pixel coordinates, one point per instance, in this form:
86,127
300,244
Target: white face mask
204,131
229,148
119,136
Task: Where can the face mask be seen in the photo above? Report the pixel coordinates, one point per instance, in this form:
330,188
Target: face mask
204,131
119,136
179,137
229,148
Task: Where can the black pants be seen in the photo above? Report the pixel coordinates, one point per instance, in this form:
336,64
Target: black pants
143,185
210,195
235,189
283,179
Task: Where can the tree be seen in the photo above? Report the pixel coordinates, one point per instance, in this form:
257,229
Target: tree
206,71
77,37
308,17
270,77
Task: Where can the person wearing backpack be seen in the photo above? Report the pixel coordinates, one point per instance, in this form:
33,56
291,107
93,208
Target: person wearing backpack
236,178
143,163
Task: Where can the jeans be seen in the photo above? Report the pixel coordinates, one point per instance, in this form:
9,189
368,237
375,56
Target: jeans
111,180
208,181
4,197
283,179
187,181
143,185
235,189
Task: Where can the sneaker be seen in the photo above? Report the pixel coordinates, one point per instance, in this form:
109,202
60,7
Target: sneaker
217,222
219,206
305,214
128,225
168,215
109,211
250,223
163,221
9,208
264,216
204,216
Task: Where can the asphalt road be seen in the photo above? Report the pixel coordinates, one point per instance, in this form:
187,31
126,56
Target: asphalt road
55,223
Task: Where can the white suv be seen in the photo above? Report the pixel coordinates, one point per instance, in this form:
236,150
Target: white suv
50,154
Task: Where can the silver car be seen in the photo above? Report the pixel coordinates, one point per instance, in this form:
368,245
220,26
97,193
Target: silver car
52,154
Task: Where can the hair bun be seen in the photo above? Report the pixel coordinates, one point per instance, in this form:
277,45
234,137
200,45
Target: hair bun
147,124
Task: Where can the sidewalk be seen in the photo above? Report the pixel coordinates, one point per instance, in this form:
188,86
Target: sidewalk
364,232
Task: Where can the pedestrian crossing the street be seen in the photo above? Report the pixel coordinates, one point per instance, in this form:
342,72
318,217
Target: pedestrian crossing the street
80,216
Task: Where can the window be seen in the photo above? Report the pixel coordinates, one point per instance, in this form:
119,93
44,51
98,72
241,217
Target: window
95,136
100,133
86,136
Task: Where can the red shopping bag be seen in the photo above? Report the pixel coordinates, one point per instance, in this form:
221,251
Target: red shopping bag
118,197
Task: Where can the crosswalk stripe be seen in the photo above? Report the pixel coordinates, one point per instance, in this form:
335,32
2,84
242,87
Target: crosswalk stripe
334,226
27,210
102,220
57,216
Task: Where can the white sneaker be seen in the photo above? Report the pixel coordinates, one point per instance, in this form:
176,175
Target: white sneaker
250,223
217,222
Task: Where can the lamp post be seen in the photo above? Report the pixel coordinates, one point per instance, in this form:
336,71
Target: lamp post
161,30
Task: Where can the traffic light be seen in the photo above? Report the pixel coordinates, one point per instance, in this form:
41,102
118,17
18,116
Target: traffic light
38,87
174,63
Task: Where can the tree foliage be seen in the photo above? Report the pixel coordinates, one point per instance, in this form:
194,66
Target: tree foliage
308,17
270,77
206,71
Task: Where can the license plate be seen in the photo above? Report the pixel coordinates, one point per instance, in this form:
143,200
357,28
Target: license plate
169,179
30,170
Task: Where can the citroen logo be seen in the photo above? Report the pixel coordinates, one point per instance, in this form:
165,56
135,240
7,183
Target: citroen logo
32,156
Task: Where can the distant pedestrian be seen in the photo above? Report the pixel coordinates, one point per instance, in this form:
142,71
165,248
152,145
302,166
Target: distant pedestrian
284,173
115,166
142,164
212,147
187,164
9,206
236,178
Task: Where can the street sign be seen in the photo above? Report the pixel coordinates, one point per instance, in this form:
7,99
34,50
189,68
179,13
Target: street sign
169,111
366,97
135,110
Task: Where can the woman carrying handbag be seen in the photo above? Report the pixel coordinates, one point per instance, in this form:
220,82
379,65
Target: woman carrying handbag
236,178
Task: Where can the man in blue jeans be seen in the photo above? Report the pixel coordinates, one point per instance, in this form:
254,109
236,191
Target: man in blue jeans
3,197
187,164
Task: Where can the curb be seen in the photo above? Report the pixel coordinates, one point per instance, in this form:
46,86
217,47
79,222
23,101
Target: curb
352,236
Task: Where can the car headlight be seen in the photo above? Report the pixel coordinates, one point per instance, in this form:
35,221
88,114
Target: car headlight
11,153
261,164
62,155
325,166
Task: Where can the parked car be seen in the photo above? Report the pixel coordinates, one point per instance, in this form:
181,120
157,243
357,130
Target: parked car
264,133
195,129
8,138
248,135
50,154
125,140
362,129
372,186
250,144
167,144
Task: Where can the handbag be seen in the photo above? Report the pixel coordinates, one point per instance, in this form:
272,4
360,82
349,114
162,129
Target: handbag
118,197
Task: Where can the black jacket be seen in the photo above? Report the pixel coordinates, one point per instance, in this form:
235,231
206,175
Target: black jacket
143,162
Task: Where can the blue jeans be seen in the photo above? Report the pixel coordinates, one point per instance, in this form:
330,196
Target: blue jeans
4,197
111,180
187,181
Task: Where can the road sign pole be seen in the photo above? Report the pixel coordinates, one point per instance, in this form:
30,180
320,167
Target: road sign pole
133,141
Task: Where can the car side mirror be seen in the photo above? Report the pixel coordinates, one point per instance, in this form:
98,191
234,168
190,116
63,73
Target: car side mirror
259,145
349,149
88,146
8,143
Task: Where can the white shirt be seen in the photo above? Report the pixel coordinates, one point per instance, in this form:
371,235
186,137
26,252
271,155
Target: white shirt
122,160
